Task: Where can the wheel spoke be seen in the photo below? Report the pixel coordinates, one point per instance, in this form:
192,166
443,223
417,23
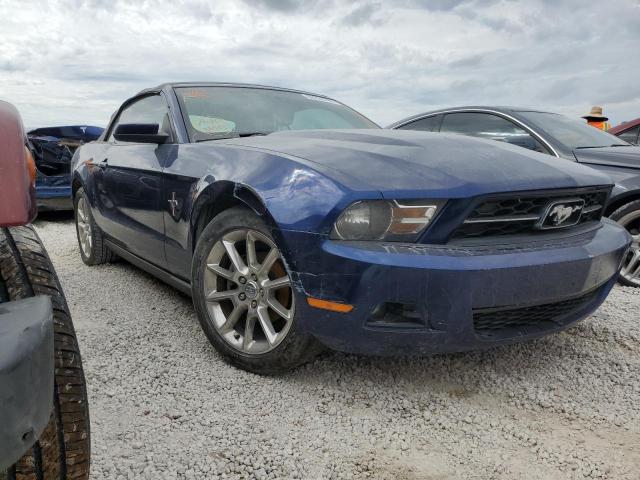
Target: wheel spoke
216,296
632,267
248,332
222,272
252,258
277,307
267,326
235,257
277,283
268,261
233,318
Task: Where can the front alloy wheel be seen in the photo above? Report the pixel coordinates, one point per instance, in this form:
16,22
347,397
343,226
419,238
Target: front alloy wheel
244,297
248,292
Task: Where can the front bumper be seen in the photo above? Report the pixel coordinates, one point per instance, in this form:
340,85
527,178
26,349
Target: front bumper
26,375
546,286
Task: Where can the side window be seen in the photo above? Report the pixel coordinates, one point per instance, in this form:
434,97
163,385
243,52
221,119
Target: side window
491,127
630,136
428,124
151,109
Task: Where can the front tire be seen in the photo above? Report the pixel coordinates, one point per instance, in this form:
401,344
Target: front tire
629,217
244,297
62,452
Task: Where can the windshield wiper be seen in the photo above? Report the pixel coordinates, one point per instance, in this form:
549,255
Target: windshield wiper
252,134
621,145
595,146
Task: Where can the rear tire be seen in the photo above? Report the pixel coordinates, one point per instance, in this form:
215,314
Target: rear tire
90,237
63,450
284,347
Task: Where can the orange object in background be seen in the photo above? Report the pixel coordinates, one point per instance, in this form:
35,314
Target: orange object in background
596,119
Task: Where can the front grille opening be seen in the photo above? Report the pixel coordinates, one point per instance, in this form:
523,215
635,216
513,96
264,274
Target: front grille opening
520,214
491,321
394,314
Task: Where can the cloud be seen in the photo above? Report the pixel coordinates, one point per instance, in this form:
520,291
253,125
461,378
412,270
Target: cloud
286,6
363,14
75,61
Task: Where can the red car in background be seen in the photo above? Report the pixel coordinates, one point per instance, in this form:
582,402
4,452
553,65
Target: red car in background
44,416
628,131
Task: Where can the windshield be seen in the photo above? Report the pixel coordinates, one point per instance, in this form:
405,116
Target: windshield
225,112
571,132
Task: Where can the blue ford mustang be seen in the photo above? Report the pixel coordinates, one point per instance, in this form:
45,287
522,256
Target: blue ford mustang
295,223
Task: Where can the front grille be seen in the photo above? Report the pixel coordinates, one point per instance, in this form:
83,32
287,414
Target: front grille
516,215
488,320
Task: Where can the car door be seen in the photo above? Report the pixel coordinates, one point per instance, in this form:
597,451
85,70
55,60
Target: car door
132,177
492,127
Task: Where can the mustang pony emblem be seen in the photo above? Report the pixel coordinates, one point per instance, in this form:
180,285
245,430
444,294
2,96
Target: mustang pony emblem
563,213
560,213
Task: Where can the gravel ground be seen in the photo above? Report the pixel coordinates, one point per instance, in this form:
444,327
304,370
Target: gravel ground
164,405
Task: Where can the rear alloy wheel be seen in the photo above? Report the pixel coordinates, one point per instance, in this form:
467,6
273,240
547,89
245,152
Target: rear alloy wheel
93,249
244,297
629,217
84,227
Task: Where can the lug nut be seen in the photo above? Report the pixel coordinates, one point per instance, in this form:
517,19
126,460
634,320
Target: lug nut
254,304
254,277
242,296
242,280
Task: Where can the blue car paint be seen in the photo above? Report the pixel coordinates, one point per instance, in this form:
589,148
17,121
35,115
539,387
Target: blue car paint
300,182
53,192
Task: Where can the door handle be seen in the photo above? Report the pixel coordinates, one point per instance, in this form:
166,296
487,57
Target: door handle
104,164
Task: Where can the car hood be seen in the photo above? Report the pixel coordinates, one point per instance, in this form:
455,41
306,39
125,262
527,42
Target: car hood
407,162
617,156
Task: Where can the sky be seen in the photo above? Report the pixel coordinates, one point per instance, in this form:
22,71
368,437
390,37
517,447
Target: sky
75,61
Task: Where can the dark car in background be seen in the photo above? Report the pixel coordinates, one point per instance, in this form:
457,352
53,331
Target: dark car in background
558,136
628,131
295,222
44,416
53,149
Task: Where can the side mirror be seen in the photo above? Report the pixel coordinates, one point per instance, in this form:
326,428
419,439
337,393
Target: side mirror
140,133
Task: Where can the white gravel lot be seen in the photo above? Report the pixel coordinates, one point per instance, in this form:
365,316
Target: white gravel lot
164,405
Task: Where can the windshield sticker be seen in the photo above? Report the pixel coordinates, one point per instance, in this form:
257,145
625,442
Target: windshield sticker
195,93
211,125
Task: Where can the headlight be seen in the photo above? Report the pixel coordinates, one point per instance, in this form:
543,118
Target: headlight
389,220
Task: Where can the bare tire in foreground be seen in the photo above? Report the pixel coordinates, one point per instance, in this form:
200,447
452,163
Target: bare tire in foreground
629,217
244,297
62,452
